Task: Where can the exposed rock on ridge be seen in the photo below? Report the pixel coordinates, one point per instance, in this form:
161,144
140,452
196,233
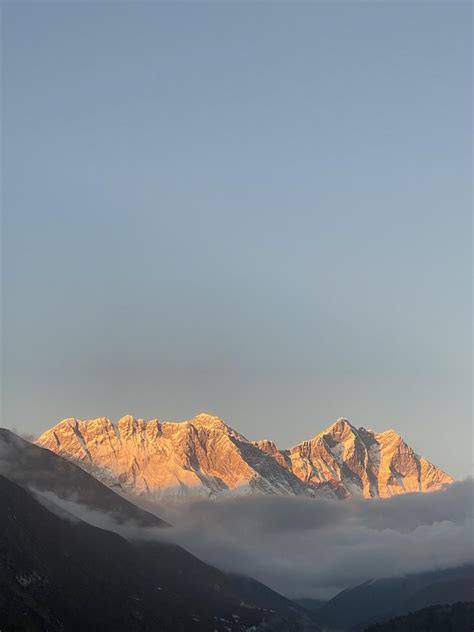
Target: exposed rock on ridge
205,456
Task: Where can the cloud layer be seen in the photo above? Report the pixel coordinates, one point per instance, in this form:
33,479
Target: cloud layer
307,547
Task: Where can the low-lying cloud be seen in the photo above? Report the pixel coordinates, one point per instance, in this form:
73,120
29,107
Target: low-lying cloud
308,547
313,547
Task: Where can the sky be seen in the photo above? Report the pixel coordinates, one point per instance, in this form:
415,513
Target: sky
258,210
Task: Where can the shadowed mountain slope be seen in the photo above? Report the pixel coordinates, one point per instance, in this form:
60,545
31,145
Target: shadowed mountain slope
374,601
458,617
42,470
60,573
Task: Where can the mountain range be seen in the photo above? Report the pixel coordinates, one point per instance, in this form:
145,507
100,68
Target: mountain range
205,456
75,555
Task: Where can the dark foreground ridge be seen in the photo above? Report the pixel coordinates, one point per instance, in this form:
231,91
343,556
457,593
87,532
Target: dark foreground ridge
458,617
58,573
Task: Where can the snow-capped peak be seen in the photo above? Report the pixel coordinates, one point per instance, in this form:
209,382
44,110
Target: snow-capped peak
204,455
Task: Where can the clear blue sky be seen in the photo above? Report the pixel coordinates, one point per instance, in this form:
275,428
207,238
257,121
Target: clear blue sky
258,210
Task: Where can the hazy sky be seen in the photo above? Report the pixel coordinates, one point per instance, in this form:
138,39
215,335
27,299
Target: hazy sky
257,210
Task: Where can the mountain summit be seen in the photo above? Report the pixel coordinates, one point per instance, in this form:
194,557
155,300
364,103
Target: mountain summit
205,456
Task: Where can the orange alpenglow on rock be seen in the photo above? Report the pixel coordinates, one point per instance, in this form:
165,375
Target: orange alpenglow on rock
204,456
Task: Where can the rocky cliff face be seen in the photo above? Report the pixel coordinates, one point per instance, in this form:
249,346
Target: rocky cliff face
364,462
204,456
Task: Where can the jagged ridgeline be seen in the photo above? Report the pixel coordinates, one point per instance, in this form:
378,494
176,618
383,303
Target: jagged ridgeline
204,456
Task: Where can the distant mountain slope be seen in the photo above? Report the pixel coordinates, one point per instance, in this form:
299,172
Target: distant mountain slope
373,601
458,617
58,573
205,456
310,604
